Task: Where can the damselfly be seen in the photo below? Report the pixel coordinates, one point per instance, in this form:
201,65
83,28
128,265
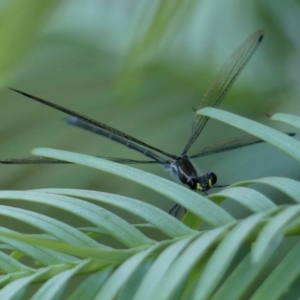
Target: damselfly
179,165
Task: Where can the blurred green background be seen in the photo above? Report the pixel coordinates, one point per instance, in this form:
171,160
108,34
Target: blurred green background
141,67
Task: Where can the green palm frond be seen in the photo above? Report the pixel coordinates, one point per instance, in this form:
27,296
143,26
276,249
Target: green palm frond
224,258
210,253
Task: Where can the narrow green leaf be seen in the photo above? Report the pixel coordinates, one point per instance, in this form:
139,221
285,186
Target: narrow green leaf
55,286
160,269
16,289
186,261
242,278
249,198
281,278
272,233
192,201
288,186
191,220
220,261
44,256
117,227
158,218
276,138
56,228
122,274
287,119
98,231
104,255
5,279
88,289
10,265
129,289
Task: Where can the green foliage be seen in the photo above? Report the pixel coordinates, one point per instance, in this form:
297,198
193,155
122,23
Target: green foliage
228,258
149,62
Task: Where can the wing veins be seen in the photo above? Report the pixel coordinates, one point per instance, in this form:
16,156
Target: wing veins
220,86
93,122
43,160
231,144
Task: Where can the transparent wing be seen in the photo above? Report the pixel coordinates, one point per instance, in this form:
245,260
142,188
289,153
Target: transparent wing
94,123
227,145
43,160
31,160
223,81
230,144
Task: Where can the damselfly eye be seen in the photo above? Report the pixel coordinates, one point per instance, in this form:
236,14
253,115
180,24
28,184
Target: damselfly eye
212,177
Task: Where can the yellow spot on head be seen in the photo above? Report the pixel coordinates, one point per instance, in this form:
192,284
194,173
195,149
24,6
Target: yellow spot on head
199,187
209,182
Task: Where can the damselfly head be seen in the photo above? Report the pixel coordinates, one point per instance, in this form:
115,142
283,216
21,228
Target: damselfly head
202,183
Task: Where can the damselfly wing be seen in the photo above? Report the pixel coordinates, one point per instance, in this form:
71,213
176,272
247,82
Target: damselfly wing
180,166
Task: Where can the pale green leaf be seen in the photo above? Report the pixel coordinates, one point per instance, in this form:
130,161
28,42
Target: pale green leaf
288,119
103,255
273,232
279,280
56,285
121,275
288,186
192,201
91,285
16,289
44,256
241,278
158,218
160,269
251,199
119,228
220,261
276,138
9,264
54,227
184,264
